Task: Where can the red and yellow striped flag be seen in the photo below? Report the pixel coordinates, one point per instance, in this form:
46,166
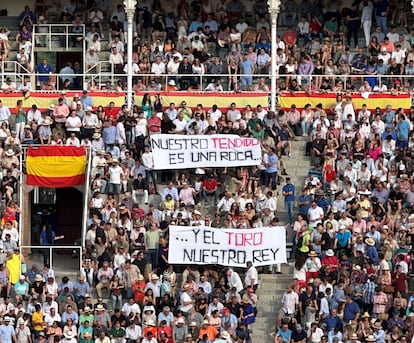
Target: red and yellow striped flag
56,166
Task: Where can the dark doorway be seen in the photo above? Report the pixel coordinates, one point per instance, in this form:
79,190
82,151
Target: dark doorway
62,208
69,206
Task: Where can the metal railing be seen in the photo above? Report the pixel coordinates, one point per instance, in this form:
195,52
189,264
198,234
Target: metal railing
55,248
106,73
44,34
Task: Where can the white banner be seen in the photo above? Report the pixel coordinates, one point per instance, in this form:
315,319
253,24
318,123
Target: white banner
182,152
205,245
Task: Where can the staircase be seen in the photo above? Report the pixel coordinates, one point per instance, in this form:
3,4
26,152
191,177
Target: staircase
297,167
270,291
272,286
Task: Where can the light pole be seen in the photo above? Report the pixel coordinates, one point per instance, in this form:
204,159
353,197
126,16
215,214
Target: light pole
130,12
274,8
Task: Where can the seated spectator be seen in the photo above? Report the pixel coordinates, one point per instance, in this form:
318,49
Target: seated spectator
8,86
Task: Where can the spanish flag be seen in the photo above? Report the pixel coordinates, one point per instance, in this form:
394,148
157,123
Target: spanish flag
56,166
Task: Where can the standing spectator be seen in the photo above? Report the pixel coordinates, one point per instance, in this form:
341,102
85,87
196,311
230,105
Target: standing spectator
247,70
43,69
288,192
114,173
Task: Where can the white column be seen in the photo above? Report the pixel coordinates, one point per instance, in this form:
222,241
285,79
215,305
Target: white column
130,12
274,7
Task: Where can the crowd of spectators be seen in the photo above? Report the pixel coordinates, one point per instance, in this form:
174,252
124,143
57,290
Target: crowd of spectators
181,47
352,279
352,235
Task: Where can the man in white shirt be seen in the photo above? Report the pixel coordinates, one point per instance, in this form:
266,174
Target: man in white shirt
115,172
225,203
315,214
398,54
215,113
180,123
158,67
148,163
73,140
53,316
251,278
233,279
33,114
133,332
290,302
205,284
171,111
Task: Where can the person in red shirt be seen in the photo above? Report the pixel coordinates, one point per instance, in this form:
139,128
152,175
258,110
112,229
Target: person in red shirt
400,281
150,329
210,188
329,174
154,124
112,112
330,260
164,328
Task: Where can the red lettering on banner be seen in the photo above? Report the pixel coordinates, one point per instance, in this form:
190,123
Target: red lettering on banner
240,239
231,143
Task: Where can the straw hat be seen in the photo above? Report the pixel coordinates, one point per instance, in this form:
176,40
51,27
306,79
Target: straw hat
312,254
38,277
356,267
9,152
369,241
154,277
96,135
68,334
377,326
370,338
225,335
100,307
366,315
150,322
47,121
245,300
140,277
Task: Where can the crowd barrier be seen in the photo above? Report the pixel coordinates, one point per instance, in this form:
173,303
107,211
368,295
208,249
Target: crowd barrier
43,100
372,100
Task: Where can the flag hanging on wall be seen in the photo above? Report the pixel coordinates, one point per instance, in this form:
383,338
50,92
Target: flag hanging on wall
56,166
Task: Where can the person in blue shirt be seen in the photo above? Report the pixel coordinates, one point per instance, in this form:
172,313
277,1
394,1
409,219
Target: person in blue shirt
43,69
389,132
288,192
403,129
284,332
304,202
323,202
343,239
271,164
7,334
86,100
333,321
372,252
351,309
247,69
